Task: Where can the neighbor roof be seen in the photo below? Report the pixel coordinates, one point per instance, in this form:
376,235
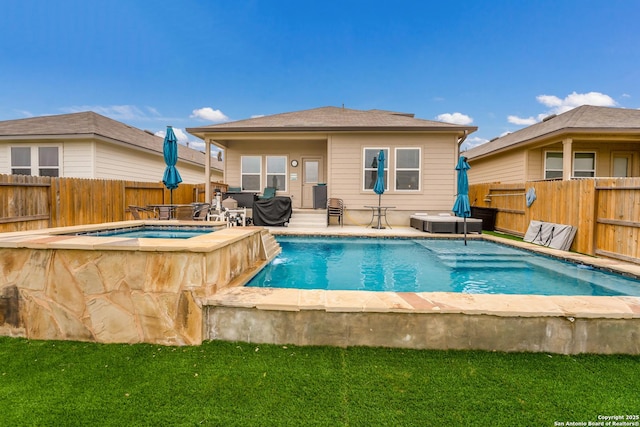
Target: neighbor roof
584,119
332,119
89,124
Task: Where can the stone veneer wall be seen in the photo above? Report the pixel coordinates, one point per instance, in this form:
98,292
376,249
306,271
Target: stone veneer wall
125,296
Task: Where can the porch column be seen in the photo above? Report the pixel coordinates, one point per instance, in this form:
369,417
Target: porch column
207,171
567,159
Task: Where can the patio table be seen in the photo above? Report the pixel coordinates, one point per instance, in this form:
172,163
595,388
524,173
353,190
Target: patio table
379,212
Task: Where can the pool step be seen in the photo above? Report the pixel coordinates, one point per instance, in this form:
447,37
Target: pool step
308,218
466,265
270,247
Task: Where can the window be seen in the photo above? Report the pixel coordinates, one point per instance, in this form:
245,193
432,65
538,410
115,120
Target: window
408,169
21,160
553,165
48,161
621,165
584,165
251,170
277,172
39,161
370,167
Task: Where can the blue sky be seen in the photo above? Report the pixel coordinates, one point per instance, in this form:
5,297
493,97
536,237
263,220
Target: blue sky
498,65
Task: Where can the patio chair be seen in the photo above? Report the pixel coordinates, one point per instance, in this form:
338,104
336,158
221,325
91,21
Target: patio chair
139,212
200,212
335,207
184,213
268,193
163,212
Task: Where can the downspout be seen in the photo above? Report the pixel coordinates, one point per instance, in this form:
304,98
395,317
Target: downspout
460,141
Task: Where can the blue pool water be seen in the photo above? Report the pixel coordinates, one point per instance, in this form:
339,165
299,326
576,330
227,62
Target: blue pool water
153,232
423,265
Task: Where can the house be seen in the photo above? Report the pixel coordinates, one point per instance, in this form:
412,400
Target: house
295,152
584,142
88,145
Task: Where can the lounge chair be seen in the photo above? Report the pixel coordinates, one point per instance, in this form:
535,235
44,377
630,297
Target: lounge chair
335,207
268,193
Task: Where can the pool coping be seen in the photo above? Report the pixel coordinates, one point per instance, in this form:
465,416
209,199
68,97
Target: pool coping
61,238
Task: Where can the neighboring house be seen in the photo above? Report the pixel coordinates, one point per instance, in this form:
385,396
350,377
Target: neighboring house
584,142
296,151
88,145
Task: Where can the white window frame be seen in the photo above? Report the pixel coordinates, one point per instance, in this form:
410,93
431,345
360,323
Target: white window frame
399,169
258,174
283,174
367,168
546,168
34,157
591,171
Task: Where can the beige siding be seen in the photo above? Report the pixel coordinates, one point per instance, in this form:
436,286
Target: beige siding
535,165
5,156
505,168
292,149
78,159
437,180
115,162
342,155
518,166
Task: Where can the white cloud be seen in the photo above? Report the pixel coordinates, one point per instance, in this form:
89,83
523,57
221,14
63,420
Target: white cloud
257,116
573,100
558,105
455,118
153,111
209,114
183,138
24,113
522,121
116,112
472,142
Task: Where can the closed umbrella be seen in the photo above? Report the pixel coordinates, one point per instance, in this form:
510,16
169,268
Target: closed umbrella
378,187
171,178
461,207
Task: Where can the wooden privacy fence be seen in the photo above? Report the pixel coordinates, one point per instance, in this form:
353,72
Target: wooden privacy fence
606,211
30,202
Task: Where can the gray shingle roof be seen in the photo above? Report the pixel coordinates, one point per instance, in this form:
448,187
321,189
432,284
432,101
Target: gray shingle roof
89,124
586,118
332,118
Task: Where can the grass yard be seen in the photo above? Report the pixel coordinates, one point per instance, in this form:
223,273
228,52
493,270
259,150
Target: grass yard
232,384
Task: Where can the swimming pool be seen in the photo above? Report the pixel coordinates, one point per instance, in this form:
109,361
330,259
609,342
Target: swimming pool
152,232
431,265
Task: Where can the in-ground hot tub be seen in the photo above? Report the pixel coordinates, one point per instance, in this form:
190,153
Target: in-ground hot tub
73,286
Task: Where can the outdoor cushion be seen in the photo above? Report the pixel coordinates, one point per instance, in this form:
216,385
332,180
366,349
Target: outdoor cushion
268,193
557,236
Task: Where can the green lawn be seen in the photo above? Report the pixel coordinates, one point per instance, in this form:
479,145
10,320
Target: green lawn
220,383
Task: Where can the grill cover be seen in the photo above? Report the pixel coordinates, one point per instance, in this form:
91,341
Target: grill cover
273,212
